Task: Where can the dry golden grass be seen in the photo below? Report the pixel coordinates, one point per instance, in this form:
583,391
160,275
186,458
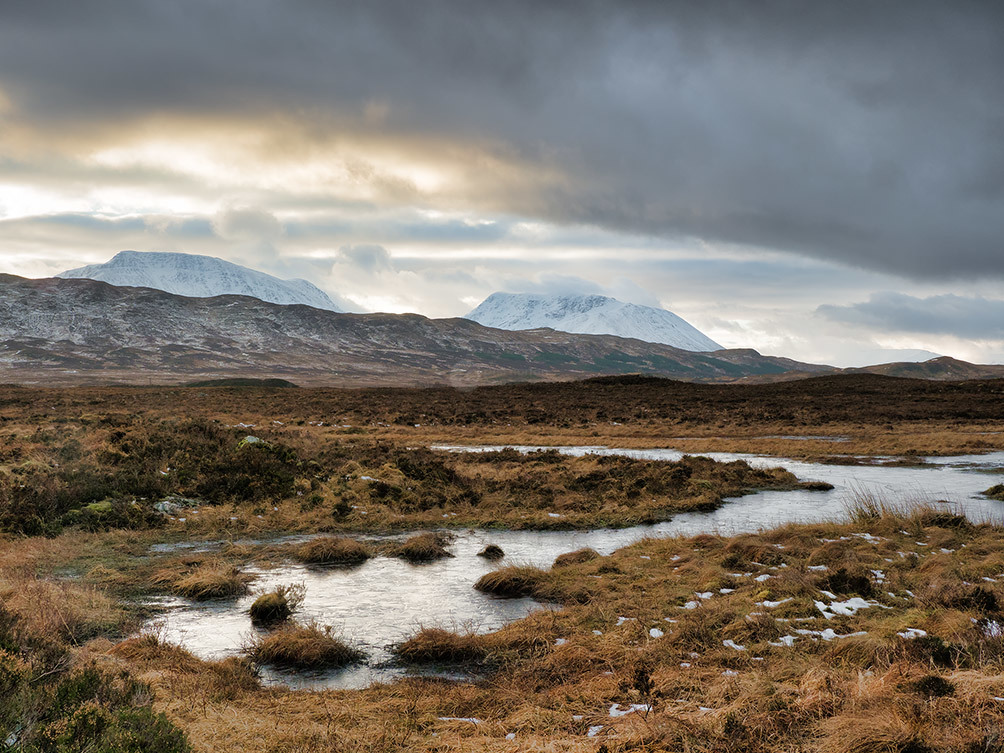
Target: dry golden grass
210,580
277,605
310,646
575,558
333,550
647,635
432,645
423,547
73,612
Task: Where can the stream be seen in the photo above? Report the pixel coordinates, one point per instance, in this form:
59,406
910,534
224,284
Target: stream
383,601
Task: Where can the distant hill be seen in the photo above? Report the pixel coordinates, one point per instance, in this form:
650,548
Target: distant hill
78,330
590,315
200,277
942,368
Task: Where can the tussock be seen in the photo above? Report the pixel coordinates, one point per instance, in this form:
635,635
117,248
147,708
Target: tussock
310,646
212,580
333,550
575,558
512,582
424,547
277,605
431,645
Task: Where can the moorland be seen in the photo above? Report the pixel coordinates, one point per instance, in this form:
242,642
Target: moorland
879,632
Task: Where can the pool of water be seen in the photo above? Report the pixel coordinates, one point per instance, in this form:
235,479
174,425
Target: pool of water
384,601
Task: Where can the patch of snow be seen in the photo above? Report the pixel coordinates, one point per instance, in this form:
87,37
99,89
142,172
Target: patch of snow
616,710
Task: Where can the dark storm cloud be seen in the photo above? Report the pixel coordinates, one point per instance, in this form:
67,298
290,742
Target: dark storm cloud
960,316
862,132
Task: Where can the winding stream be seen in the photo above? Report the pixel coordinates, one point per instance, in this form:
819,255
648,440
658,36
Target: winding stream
383,601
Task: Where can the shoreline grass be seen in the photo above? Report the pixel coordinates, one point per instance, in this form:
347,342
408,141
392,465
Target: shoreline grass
302,647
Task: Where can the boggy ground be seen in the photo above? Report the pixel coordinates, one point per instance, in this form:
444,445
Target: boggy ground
876,415
197,476
882,634
81,470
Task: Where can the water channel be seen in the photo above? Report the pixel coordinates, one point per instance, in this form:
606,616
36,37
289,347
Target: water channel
383,601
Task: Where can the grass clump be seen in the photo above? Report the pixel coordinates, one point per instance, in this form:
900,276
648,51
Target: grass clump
425,547
432,645
310,646
492,552
212,580
575,558
277,605
995,492
333,550
512,582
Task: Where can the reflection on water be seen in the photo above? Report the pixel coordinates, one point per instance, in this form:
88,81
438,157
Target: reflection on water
384,600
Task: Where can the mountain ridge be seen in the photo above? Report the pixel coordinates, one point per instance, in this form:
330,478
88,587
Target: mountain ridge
590,315
82,329
199,276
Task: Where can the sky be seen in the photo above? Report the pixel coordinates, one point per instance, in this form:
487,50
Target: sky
823,181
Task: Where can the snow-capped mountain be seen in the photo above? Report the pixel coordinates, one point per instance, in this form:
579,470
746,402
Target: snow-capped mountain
198,276
590,315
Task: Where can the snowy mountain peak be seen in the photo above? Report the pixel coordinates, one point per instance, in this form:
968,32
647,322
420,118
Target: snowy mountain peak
198,276
590,315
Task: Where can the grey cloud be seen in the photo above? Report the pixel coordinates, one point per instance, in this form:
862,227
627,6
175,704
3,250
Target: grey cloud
960,316
861,132
247,224
367,257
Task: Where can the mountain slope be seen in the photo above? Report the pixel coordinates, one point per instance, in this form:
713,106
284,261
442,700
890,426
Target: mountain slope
943,368
591,315
200,277
72,331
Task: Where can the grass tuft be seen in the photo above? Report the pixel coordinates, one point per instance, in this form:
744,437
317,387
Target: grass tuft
431,645
492,552
310,646
333,550
212,580
425,547
512,582
277,605
575,558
